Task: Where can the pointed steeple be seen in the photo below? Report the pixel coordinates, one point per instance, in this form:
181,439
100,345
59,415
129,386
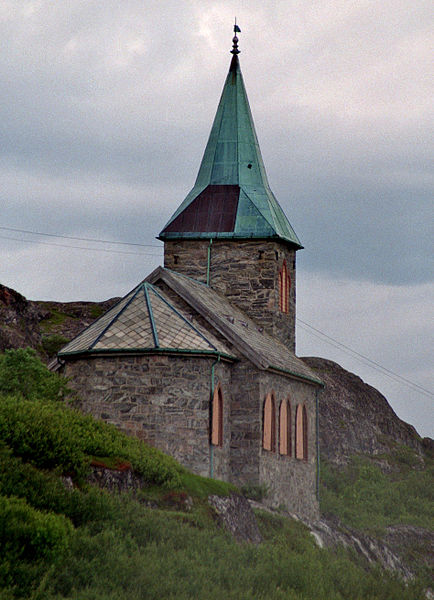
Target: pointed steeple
231,197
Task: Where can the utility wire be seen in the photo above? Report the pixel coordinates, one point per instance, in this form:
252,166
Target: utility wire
81,239
368,361
4,237
308,328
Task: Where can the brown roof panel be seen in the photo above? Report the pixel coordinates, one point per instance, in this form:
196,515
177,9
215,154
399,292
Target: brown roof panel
214,210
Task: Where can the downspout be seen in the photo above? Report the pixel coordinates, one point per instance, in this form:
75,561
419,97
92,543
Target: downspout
208,262
211,447
317,443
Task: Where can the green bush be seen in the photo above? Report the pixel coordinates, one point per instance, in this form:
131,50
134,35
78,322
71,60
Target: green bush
50,435
51,344
22,372
26,533
30,542
364,497
44,490
154,554
255,492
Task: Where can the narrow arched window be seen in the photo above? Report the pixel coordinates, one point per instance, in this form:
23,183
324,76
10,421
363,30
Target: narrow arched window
284,287
217,417
269,424
301,432
285,428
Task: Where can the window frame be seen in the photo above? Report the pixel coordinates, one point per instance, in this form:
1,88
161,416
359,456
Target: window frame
284,288
269,417
301,433
216,434
285,426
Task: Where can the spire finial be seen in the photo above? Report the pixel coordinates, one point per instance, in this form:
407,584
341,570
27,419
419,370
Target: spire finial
235,39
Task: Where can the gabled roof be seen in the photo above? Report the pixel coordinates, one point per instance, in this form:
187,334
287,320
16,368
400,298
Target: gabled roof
263,350
144,321
231,197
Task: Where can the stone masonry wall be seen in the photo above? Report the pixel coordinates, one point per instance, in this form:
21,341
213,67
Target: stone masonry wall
291,481
246,424
163,400
246,272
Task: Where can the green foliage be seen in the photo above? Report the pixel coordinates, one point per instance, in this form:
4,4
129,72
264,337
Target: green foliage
147,554
51,435
364,497
58,543
203,487
30,540
44,490
51,344
255,492
96,311
22,372
121,550
29,533
56,318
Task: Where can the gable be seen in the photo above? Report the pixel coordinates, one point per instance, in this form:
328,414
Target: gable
263,350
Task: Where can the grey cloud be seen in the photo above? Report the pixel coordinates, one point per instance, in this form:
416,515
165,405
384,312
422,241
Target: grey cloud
105,110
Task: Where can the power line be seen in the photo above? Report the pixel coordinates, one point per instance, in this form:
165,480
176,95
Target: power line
308,328
4,237
365,359
81,239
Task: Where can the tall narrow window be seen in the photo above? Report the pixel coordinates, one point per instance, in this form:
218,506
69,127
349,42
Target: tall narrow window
269,424
285,428
284,287
217,417
301,432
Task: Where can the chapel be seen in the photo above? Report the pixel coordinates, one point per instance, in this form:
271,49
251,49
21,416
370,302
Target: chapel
199,359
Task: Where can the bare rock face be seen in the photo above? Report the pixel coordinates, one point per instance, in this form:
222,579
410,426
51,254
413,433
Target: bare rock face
19,320
115,480
44,326
355,418
373,550
235,514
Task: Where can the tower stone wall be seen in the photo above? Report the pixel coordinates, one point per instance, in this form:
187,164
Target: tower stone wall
246,272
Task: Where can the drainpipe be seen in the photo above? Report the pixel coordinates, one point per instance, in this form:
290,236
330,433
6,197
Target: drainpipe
211,447
208,262
317,443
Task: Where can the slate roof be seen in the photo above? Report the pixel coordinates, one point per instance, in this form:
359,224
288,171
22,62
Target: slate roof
231,197
263,350
144,321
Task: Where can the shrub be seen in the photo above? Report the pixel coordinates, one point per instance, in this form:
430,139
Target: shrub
29,533
22,372
51,344
255,491
51,434
364,497
45,491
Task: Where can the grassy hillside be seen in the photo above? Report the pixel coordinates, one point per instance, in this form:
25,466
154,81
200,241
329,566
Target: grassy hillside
85,544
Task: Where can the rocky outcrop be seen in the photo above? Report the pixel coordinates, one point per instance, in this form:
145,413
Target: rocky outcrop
355,418
115,480
331,534
44,326
235,514
19,320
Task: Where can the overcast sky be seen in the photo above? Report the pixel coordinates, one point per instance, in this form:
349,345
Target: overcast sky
105,110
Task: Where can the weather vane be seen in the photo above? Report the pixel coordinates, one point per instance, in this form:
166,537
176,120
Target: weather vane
235,39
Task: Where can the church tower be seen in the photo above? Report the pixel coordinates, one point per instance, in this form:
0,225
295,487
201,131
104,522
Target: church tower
230,232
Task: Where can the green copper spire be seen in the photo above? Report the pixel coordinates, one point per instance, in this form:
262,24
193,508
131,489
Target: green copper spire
231,197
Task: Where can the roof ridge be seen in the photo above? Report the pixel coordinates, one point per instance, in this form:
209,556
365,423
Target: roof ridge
181,316
260,357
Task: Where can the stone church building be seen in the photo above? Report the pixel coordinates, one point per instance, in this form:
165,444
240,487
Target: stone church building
199,359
